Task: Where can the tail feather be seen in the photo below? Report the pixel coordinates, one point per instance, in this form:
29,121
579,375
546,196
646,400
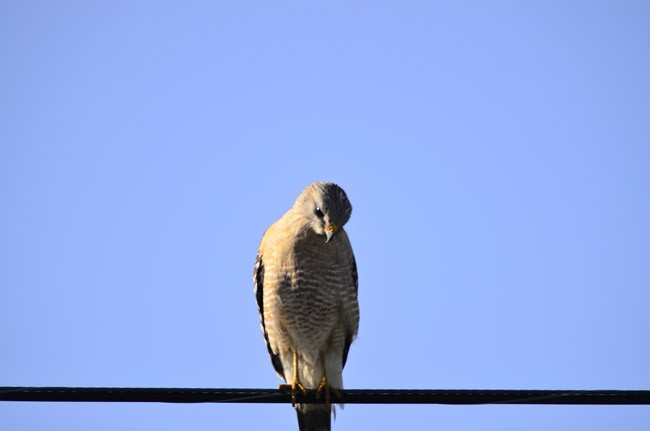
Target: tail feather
314,417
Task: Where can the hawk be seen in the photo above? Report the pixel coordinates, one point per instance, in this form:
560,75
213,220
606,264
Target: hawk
305,280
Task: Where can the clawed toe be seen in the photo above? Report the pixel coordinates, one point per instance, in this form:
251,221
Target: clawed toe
295,388
328,389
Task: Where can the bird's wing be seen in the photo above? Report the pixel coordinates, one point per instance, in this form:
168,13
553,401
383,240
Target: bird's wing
258,276
351,332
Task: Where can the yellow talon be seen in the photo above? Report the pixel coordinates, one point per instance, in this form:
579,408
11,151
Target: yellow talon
294,388
295,385
324,386
329,389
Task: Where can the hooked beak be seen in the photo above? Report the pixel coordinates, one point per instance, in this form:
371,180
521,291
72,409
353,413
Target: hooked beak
330,231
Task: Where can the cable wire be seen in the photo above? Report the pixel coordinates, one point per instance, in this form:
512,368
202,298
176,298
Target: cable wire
347,396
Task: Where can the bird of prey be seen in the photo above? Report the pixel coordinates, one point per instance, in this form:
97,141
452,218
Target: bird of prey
305,280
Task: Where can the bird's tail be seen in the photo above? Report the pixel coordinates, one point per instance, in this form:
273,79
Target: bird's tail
314,417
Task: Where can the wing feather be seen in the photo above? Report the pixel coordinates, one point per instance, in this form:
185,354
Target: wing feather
258,276
349,336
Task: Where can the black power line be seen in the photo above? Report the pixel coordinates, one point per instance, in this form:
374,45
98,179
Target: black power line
347,396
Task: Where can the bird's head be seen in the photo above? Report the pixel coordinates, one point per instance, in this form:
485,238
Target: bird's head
326,208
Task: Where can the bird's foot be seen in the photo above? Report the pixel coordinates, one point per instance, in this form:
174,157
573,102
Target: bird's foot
328,389
295,388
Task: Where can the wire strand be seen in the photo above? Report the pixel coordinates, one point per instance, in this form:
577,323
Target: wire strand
349,396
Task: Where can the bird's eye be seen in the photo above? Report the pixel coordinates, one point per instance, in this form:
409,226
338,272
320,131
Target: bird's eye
318,212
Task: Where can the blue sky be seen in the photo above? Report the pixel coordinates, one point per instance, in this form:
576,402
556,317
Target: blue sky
497,157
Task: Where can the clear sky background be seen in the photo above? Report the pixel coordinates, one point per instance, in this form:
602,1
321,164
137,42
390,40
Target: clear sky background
496,154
